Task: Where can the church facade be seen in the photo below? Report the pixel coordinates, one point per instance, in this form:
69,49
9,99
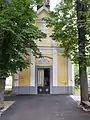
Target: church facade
52,74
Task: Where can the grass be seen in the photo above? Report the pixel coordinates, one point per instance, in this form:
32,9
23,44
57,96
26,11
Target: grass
77,91
8,91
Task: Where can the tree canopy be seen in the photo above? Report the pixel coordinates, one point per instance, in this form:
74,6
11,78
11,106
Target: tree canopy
71,30
65,32
18,34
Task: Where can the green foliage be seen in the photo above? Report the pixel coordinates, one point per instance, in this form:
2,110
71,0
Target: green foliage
76,75
64,22
18,35
77,80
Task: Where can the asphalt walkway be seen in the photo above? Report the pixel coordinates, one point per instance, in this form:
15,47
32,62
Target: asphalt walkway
49,107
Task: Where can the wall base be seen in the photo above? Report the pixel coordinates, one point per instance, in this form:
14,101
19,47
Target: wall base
33,90
63,90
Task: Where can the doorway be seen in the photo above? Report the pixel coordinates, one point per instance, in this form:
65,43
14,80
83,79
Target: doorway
43,80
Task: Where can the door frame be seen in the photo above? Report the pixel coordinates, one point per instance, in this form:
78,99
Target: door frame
51,76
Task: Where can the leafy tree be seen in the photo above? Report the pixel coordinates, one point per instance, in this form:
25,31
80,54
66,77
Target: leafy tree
71,29
76,76
18,35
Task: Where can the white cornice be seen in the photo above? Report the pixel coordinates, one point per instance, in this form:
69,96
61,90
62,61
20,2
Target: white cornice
42,8
40,20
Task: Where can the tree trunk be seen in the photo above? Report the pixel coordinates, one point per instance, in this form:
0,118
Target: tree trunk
83,83
81,18
2,88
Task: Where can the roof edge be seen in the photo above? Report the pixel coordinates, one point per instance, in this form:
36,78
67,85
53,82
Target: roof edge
41,9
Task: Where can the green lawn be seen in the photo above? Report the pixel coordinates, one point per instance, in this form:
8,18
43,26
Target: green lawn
77,91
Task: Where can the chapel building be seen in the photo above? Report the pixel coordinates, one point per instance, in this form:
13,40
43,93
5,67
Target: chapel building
52,74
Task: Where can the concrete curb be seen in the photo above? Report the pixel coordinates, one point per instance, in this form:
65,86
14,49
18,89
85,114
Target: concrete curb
7,105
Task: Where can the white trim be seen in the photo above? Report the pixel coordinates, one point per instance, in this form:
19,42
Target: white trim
73,75
38,20
16,79
45,48
42,8
54,67
70,73
50,48
46,51
32,75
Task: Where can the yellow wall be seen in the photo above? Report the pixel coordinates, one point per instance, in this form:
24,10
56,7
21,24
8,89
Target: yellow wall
24,77
47,41
62,71
43,14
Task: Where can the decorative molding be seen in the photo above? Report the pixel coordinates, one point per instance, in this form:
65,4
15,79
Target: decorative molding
45,48
42,8
46,51
50,47
38,20
49,50
44,61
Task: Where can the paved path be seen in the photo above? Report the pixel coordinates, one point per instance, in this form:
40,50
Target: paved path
53,107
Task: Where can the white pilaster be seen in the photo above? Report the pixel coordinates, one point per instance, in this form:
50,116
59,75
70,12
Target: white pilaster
54,67
16,79
70,73
32,77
